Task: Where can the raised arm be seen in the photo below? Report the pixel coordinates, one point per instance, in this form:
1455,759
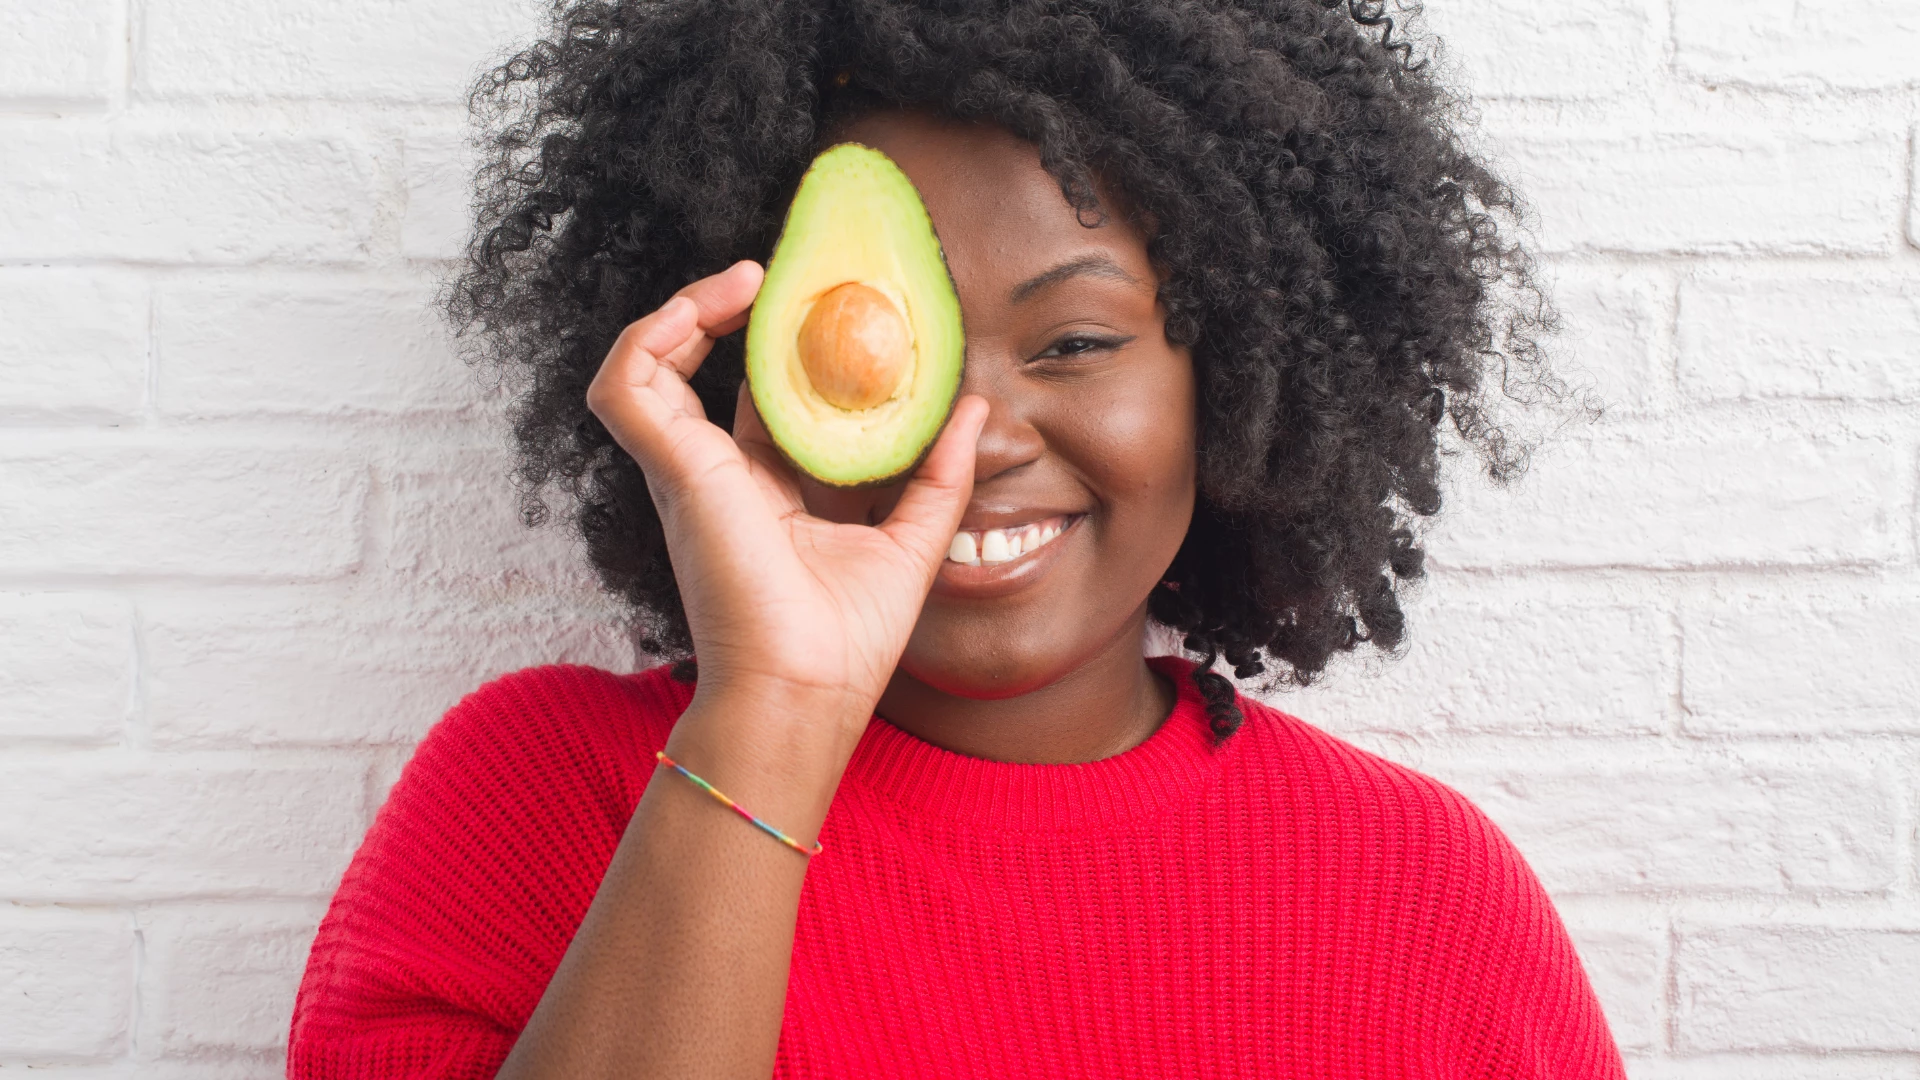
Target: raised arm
680,966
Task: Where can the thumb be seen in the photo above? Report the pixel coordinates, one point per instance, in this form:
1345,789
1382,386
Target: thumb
930,508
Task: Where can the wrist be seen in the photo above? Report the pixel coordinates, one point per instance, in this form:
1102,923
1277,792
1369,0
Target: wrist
789,733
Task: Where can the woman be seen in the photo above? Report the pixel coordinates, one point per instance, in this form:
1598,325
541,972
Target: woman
1224,272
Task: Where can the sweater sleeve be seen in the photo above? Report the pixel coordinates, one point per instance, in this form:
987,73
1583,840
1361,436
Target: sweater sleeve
1539,1018
476,873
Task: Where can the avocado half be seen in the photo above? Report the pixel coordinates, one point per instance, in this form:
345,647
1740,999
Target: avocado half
854,347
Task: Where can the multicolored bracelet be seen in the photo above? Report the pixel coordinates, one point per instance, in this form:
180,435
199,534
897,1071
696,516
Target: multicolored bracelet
796,845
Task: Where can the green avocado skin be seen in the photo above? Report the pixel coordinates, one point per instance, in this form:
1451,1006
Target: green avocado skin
855,217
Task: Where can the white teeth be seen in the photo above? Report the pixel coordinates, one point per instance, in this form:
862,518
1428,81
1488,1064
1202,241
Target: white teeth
962,550
994,547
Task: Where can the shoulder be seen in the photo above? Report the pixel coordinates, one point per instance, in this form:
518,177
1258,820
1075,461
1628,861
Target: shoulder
557,709
1382,796
559,741
488,850
1406,839
546,748
1475,913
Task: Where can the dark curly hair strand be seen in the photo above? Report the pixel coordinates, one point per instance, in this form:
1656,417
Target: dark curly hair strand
1341,266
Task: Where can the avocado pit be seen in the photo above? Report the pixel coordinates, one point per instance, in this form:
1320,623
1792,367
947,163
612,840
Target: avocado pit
854,346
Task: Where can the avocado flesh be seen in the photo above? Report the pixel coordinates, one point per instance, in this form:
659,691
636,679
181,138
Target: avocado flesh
857,219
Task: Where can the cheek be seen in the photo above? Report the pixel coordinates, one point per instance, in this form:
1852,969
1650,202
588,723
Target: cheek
1139,442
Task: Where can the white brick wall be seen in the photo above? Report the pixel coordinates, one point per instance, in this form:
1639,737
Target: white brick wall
1680,662
255,532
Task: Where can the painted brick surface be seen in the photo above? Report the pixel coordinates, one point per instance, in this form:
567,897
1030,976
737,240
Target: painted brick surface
1797,988
241,669
66,666
76,344
1471,669
439,179
60,53
1786,43
1633,496
1721,190
426,50
257,530
1913,197
106,826
66,983
1747,662
1627,968
1810,335
134,191
1512,48
1613,340
1635,825
239,346
146,505
455,520
222,977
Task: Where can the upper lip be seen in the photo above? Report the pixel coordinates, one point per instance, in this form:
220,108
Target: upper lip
1004,518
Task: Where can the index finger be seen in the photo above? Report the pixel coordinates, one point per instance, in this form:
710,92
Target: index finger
725,298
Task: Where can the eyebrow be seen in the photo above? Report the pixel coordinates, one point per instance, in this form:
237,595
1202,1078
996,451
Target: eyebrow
1094,265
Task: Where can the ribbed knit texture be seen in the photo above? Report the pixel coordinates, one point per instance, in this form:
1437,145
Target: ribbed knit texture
1284,905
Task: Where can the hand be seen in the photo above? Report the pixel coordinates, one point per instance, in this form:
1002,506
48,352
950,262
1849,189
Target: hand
778,600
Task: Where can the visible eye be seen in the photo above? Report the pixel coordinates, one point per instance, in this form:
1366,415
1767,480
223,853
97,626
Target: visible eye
1081,344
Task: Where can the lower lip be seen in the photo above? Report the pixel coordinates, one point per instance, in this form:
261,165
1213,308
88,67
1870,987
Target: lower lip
981,582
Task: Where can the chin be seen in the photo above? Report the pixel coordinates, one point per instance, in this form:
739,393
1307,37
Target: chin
982,674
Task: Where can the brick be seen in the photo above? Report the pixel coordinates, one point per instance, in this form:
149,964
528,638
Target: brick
1651,826
1770,1066
1626,969
94,191
1820,335
1517,49
66,983
225,671
1792,44
1913,192
1633,497
1532,668
456,520
76,344
439,171
1816,988
1747,662
219,978
116,827
206,1065
427,50
66,667
1610,344
243,347
137,506
1712,192
59,53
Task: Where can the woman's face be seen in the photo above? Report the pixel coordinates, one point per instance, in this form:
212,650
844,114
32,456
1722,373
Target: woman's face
1092,424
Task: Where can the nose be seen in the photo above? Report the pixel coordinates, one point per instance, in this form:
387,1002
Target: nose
1010,439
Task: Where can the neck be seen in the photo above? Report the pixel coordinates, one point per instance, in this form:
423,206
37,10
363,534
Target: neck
1105,706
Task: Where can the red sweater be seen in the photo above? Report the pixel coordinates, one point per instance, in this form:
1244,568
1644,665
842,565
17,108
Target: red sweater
1286,905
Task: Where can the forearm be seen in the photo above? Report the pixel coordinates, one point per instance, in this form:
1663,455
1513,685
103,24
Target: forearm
680,966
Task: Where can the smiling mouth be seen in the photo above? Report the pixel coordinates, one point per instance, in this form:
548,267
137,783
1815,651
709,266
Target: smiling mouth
992,547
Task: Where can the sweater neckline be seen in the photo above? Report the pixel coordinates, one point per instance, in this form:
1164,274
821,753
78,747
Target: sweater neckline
935,785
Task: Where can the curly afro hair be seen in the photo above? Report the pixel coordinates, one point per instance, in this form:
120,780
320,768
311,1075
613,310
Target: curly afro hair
1344,270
